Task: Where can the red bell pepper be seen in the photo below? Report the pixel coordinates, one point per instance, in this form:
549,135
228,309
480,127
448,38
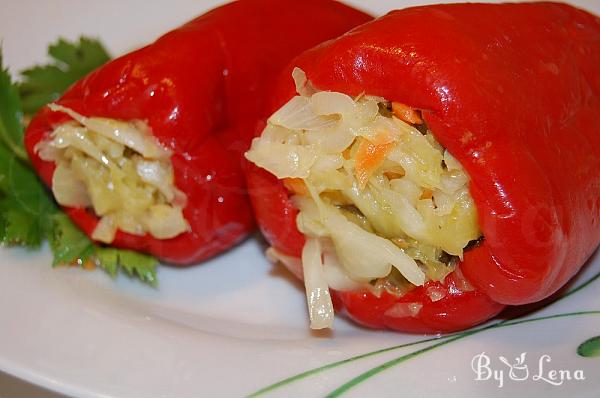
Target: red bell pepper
200,88
513,92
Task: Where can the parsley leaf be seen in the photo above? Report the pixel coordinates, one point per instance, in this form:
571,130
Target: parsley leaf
28,213
24,202
72,61
70,245
135,264
11,128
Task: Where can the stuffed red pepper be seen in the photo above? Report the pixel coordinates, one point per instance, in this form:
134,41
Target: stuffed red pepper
432,166
144,153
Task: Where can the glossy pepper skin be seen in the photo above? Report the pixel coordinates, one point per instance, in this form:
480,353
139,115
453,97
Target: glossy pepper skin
201,89
513,92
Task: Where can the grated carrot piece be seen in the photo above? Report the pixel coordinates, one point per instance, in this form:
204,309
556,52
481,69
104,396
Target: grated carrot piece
392,175
296,185
406,113
368,158
346,153
426,194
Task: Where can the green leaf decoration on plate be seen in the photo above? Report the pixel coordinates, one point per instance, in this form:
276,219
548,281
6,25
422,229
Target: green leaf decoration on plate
590,347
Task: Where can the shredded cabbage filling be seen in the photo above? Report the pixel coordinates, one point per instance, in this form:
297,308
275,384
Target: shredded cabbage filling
382,204
118,170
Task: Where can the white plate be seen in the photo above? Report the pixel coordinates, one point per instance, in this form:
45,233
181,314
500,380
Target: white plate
236,325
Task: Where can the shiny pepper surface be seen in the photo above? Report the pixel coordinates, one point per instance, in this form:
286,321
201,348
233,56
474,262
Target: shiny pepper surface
201,89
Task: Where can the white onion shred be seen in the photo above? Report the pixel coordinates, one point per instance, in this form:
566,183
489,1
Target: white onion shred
303,85
105,230
320,306
297,114
366,255
292,161
69,191
155,174
327,103
164,221
121,132
336,276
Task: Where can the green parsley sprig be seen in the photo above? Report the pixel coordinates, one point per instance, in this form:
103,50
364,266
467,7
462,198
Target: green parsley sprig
28,213
71,61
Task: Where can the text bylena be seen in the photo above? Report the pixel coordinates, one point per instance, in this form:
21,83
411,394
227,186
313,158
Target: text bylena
541,370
